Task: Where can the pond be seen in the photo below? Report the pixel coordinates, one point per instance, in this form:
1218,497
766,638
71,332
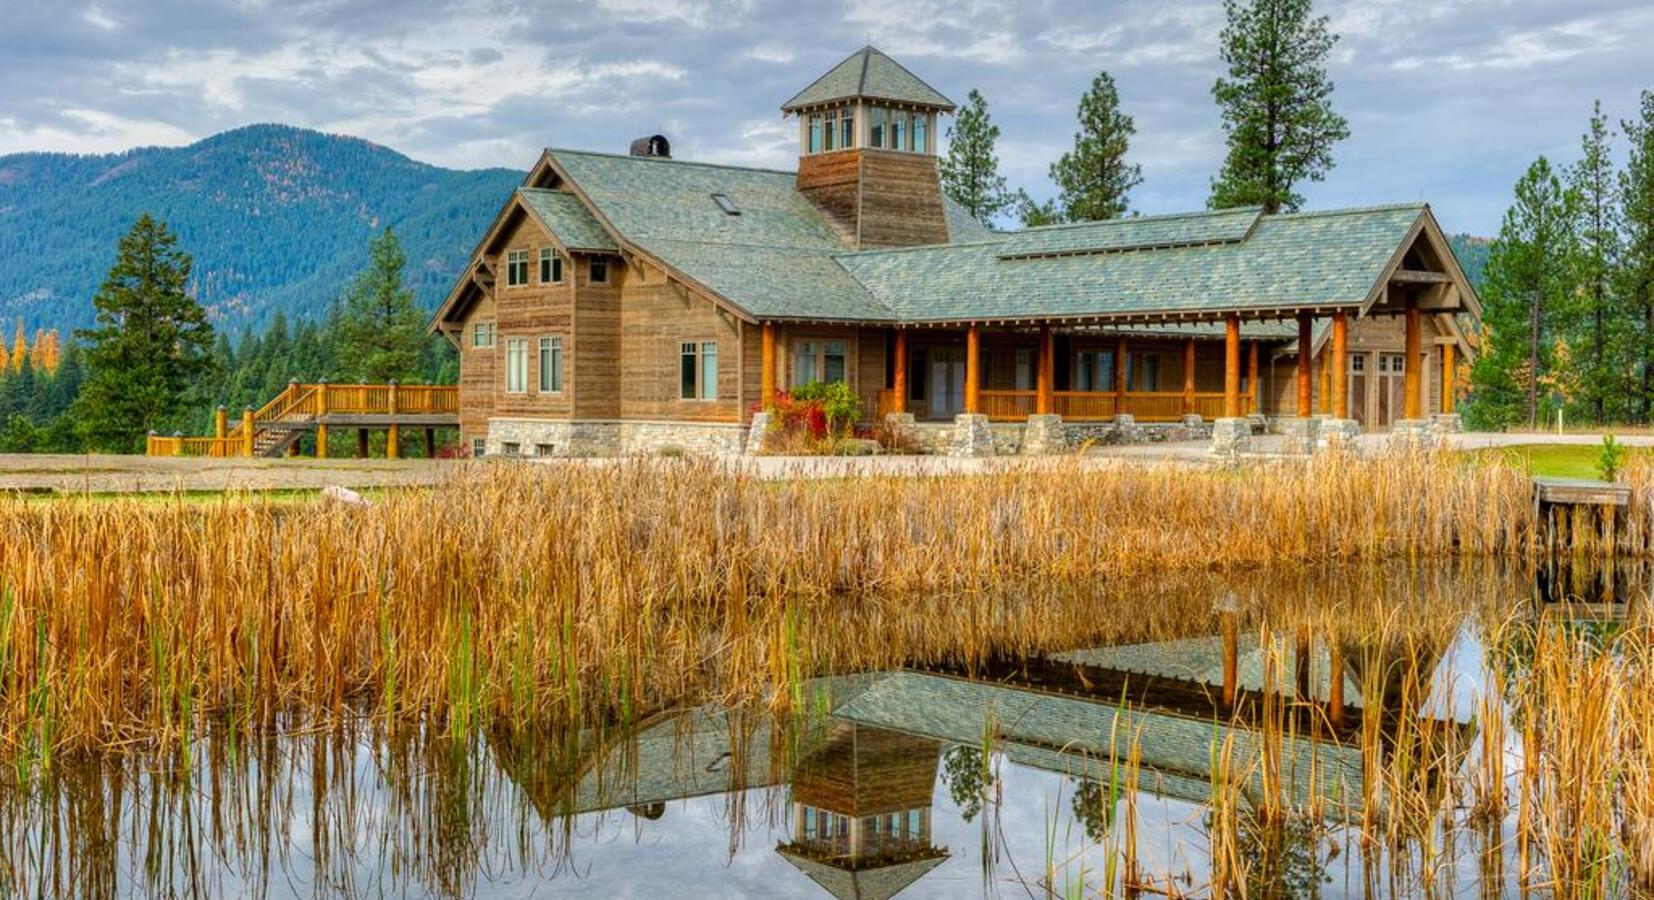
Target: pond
1274,753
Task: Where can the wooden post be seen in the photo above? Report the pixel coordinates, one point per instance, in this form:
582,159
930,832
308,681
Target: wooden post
1449,377
1335,686
1231,366
1253,387
1301,653
221,422
766,378
1340,366
430,442
247,429
1324,403
1231,660
898,377
1188,376
973,370
393,434
1306,377
1120,375
361,443
321,422
1045,399
1413,366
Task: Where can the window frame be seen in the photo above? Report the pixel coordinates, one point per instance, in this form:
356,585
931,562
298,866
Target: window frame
516,365
817,350
551,266
830,132
479,447
694,375
592,269
483,328
551,359
847,128
876,127
514,258
919,128
812,140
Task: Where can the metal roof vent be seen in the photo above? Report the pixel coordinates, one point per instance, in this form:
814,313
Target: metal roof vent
655,145
726,204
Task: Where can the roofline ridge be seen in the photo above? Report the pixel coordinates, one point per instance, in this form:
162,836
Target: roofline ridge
984,242
1154,217
1420,205
670,161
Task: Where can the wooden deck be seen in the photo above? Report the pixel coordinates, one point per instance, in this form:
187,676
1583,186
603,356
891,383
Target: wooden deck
277,426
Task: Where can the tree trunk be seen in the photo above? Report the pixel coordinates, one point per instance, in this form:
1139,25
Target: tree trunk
1533,359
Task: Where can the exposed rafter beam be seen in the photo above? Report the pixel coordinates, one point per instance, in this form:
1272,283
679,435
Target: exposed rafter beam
1415,276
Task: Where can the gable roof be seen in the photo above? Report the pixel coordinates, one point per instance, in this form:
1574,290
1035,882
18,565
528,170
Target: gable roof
1134,233
1323,260
869,74
567,219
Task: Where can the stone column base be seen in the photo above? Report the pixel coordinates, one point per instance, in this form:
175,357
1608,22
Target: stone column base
1300,435
1044,436
971,436
1231,437
1413,433
1446,423
1337,435
902,430
758,434
1193,420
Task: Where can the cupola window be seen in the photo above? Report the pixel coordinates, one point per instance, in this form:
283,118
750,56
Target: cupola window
830,130
898,129
921,142
847,129
815,133
876,127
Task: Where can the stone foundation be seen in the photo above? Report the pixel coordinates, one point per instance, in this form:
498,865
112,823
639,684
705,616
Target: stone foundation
538,437
1231,437
971,436
758,433
1416,433
1044,436
1446,423
1299,434
1337,435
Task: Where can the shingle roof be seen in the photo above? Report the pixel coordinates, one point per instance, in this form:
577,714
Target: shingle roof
1136,233
869,73
1303,259
566,217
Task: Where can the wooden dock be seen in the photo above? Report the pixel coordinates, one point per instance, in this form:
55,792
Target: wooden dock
276,427
1575,517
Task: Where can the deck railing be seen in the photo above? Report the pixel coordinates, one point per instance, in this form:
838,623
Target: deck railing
1087,406
305,403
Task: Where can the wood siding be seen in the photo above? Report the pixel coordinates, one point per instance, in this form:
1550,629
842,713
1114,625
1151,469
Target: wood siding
831,182
655,318
901,201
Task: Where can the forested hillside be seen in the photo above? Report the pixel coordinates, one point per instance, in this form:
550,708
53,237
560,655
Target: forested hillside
275,217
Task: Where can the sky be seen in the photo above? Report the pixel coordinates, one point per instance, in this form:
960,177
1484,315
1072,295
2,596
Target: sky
1448,102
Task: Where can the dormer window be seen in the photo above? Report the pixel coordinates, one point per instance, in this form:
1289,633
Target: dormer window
516,268
551,266
726,204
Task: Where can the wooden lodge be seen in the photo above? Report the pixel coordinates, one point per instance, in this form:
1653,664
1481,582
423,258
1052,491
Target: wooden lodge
623,303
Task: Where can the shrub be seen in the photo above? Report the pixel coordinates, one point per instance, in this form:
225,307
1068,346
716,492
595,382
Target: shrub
814,417
1611,458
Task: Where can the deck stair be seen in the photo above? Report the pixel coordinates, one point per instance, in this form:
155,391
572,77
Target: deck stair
276,427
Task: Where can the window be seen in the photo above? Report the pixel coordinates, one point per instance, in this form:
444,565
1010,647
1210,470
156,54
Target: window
847,129
898,129
511,448
482,334
545,449
1094,370
831,130
479,447
551,365
597,271
516,268
815,133
698,370
551,266
1145,372
516,365
921,140
876,128
818,361
726,204
1358,363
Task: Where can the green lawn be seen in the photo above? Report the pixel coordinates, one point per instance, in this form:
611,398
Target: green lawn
1555,460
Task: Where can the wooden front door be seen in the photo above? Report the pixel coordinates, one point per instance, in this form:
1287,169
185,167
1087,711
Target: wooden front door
1358,389
1391,388
946,380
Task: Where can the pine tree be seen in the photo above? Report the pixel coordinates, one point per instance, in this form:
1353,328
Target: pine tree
150,345
1034,214
19,348
1276,104
1592,179
1532,275
1636,271
1094,178
382,332
970,170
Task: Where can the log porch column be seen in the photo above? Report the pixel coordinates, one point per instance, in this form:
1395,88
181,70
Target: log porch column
1340,366
1188,376
1119,375
221,422
393,433
1449,376
1045,400
898,376
1231,366
1413,366
973,370
321,420
1306,377
1252,385
766,377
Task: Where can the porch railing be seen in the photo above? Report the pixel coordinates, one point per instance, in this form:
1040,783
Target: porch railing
1089,406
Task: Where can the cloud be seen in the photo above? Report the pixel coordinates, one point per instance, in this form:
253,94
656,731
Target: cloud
81,130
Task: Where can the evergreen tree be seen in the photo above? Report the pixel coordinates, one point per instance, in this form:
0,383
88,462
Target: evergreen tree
970,170
150,345
1034,214
1094,177
1592,179
382,332
1532,274
1276,104
1636,272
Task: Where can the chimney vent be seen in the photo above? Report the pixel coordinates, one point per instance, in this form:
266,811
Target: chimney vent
655,145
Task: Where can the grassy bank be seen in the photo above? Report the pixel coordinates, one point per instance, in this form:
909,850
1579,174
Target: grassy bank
1556,460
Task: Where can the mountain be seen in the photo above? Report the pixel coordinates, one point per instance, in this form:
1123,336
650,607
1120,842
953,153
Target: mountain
277,219
1472,253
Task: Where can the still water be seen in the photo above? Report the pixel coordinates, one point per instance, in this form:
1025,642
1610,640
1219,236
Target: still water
1085,771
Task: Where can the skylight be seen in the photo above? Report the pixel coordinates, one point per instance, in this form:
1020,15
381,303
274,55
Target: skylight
726,204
